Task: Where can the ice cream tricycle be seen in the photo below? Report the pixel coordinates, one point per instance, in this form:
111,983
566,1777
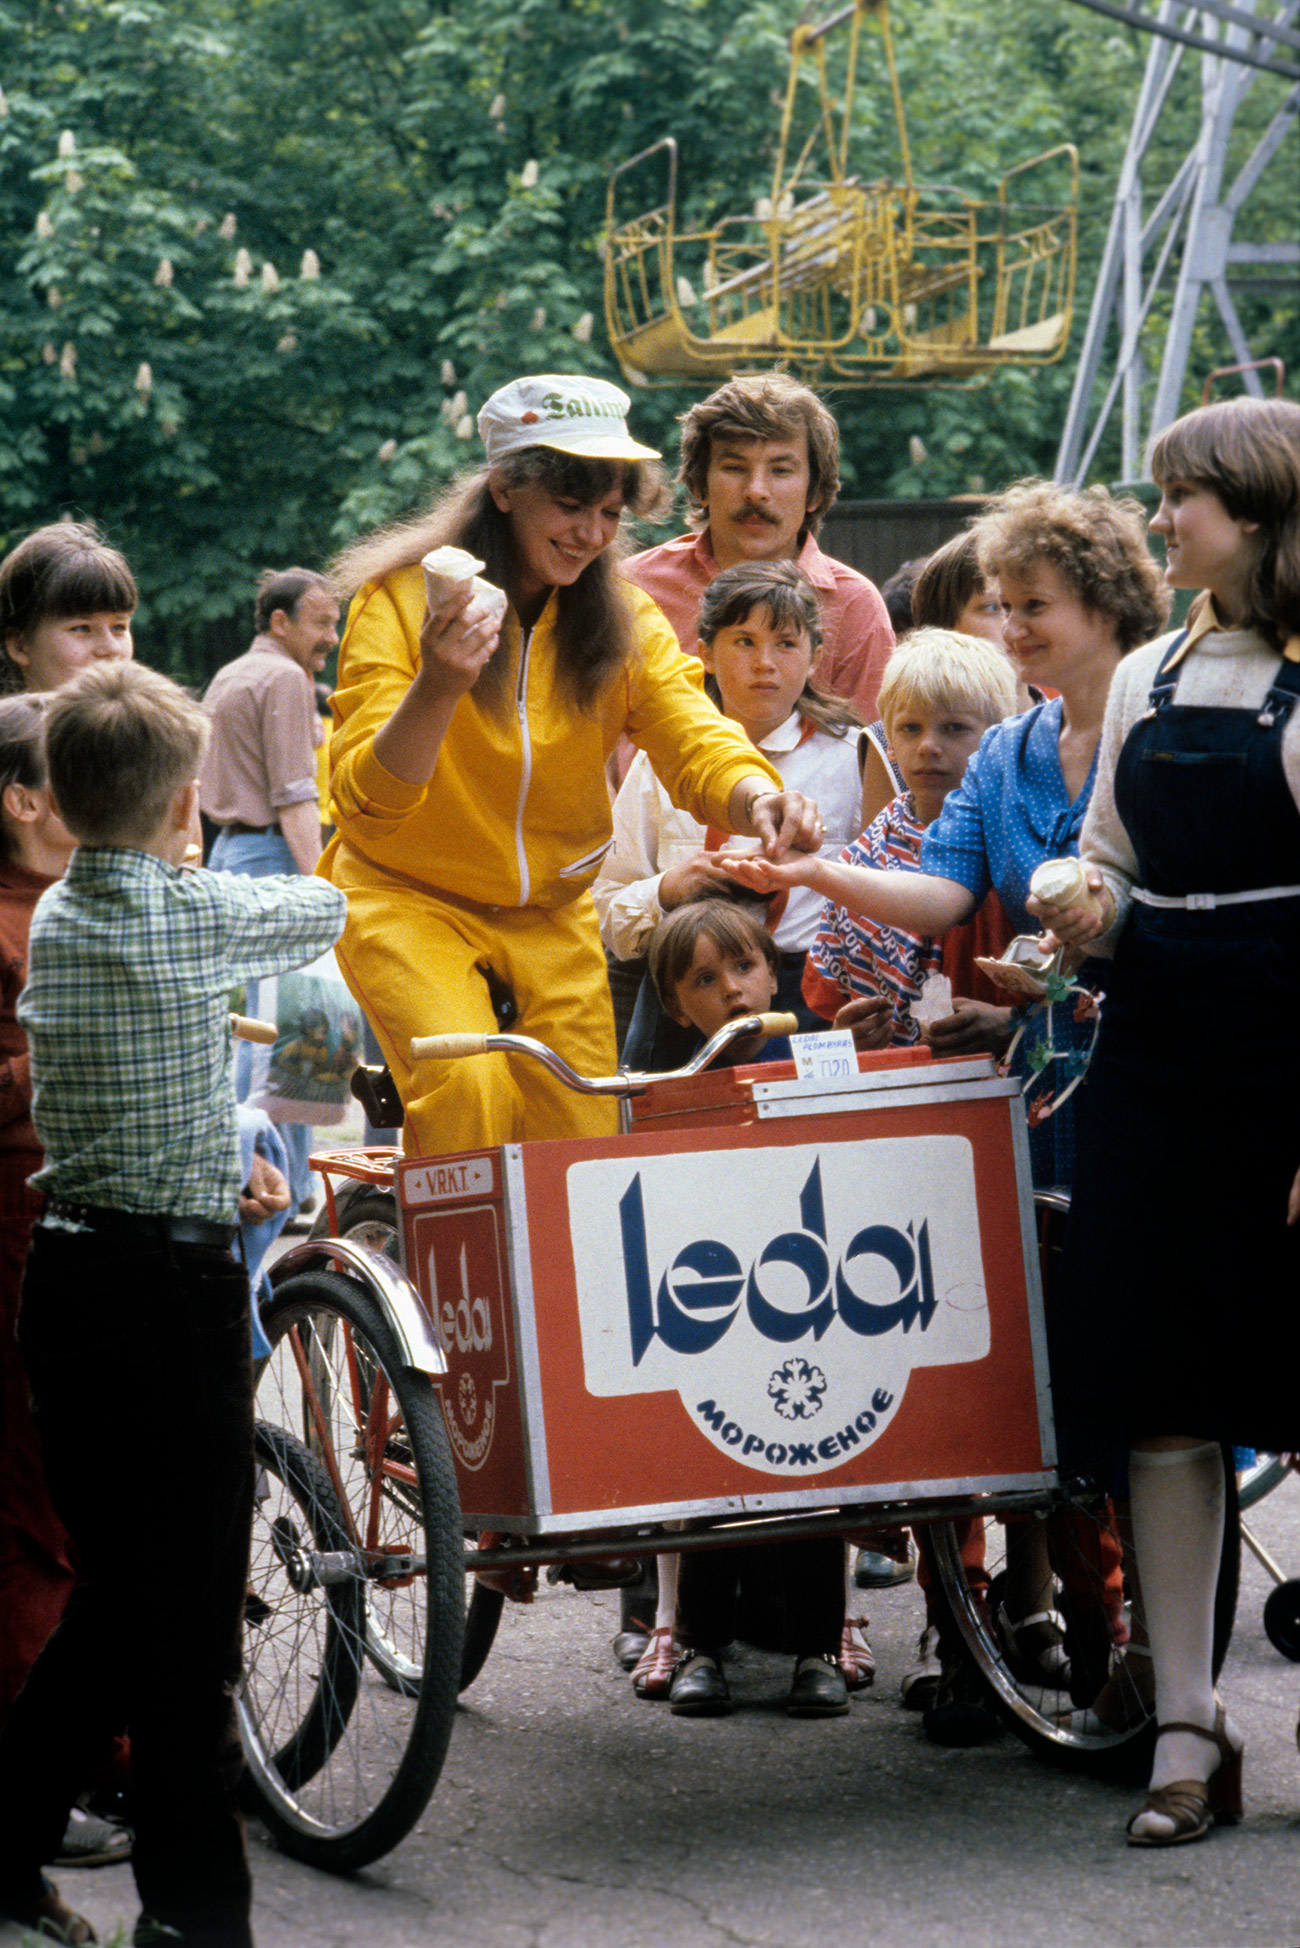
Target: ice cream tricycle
777,1304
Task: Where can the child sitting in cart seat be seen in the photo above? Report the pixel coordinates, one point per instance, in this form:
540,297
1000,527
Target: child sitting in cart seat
941,692
133,1302
711,962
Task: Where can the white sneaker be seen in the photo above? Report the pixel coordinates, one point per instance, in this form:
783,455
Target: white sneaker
919,1686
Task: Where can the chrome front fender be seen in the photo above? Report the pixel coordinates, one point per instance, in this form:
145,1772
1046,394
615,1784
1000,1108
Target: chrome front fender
387,1284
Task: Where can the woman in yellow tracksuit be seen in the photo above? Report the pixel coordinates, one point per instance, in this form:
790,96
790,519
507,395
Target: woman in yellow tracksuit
468,764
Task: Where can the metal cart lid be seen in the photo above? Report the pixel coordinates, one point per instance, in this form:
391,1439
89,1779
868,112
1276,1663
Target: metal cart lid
761,1090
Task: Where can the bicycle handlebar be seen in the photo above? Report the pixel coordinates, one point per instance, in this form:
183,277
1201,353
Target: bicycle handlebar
628,1082
245,1028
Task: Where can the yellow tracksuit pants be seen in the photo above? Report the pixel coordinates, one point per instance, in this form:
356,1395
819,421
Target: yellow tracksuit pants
409,958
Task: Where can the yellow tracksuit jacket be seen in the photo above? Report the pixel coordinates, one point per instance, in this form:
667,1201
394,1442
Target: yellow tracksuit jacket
491,860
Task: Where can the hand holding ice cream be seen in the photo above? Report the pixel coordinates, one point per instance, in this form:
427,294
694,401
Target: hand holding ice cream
462,621
446,572
1071,898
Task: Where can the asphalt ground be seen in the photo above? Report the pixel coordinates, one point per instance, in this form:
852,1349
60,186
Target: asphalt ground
572,1815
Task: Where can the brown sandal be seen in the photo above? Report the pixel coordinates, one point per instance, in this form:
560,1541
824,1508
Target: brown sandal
1193,1805
653,1676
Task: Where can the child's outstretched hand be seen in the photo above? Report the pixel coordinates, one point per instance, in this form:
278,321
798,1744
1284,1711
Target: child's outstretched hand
871,1017
764,876
694,879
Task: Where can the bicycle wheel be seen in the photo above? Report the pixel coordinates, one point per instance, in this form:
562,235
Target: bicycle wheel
482,1615
334,1382
1268,1472
304,1616
1082,1557
369,1217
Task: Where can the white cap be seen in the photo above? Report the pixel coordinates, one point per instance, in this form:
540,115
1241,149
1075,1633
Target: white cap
575,415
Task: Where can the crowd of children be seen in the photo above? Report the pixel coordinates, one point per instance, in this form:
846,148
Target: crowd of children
1020,721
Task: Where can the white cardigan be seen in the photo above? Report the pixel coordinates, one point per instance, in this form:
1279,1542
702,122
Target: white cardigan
651,835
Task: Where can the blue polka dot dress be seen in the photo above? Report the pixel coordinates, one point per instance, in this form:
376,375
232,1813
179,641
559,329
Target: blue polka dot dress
1010,812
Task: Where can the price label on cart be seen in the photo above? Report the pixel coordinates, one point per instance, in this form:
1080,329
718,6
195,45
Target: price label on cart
828,1056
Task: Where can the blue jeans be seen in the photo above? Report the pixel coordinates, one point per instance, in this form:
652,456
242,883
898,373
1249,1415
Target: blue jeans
259,855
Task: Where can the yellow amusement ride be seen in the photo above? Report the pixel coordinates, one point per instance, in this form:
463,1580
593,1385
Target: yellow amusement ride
872,283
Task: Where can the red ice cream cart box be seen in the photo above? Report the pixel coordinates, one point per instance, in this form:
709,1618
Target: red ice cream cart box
771,1295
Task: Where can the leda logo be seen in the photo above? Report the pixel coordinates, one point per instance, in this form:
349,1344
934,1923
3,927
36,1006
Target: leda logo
786,1295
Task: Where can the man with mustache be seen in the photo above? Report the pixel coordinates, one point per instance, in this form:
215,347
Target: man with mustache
760,460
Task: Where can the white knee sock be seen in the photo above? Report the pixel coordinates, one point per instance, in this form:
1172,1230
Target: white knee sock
666,1614
1177,1501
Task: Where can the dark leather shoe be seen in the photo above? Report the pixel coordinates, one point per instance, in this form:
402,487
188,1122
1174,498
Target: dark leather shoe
817,1689
630,1646
961,1714
700,1689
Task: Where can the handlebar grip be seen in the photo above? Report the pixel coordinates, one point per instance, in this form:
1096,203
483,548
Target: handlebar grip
246,1029
439,1048
780,1024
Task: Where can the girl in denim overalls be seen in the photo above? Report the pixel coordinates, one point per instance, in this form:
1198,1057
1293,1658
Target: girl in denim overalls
1183,1323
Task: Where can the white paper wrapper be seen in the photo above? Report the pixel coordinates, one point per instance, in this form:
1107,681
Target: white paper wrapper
935,1000
448,569
1060,882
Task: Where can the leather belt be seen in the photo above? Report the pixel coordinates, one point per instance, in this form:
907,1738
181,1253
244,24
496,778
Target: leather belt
238,825
143,1224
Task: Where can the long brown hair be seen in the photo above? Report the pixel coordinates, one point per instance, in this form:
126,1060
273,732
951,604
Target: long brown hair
1247,451
593,624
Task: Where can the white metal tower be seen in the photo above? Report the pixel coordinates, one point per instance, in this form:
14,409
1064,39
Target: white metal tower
1181,230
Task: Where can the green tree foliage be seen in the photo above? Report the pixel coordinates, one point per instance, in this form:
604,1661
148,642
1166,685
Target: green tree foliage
264,258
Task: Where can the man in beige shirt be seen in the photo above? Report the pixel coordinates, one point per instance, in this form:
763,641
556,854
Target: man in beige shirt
258,784
259,776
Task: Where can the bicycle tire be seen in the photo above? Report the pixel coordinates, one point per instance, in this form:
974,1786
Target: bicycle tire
482,1615
334,1383
1040,1713
291,1619
369,1216
1268,1473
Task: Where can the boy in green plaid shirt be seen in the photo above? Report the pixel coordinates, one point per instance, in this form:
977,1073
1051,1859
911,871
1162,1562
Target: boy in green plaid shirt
135,1315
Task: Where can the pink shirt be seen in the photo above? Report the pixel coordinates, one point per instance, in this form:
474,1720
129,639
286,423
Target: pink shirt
856,632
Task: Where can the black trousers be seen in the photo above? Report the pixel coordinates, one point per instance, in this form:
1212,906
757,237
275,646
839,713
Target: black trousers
810,1572
137,1351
